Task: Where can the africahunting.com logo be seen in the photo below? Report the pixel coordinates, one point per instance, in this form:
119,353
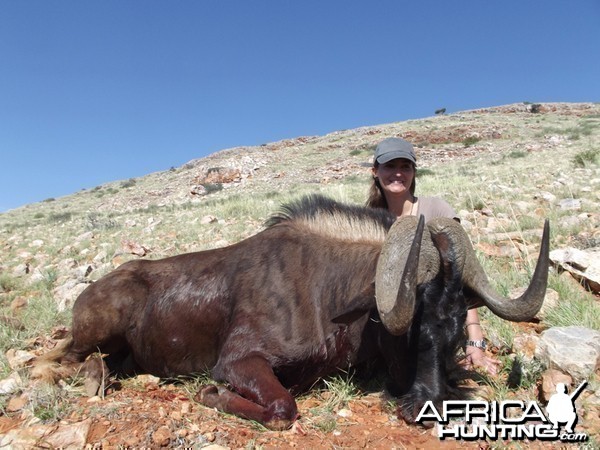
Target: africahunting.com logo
508,419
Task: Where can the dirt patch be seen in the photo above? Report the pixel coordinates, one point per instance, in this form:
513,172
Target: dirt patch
148,415
164,416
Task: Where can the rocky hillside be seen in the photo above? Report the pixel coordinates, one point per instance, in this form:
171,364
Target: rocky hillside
505,169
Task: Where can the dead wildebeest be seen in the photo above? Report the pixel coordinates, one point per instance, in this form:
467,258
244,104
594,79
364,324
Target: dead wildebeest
324,287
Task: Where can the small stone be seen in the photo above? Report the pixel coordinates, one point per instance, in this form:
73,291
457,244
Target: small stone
18,304
525,345
147,379
569,204
162,436
546,196
186,408
344,413
17,403
210,437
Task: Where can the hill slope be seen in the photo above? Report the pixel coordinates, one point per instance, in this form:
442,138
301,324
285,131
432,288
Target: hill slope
504,168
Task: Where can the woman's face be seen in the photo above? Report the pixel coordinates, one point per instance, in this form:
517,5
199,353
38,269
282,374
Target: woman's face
395,176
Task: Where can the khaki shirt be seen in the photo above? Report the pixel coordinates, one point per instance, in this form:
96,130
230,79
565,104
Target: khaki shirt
432,207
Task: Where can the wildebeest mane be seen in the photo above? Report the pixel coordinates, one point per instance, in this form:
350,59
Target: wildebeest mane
328,217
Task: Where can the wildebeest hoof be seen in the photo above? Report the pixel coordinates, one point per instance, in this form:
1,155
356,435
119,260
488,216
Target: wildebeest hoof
406,412
278,424
208,396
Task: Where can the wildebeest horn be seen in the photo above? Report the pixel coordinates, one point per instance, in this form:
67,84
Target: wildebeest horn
477,287
397,274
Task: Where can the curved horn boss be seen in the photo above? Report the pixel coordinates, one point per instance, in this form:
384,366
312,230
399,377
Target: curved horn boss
396,277
408,258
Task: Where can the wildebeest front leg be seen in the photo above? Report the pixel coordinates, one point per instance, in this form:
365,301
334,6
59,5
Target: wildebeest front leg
259,395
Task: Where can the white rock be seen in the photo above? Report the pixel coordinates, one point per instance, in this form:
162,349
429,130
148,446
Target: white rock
11,384
146,378
583,264
555,140
569,204
66,294
344,413
84,237
36,276
208,219
18,359
551,300
546,196
100,257
573,350
20,270
70,436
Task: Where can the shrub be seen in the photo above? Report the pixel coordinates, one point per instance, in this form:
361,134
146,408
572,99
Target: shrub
424,172
213,187
60,217
517,154
585,157
8,283
471,140
96,221
129,183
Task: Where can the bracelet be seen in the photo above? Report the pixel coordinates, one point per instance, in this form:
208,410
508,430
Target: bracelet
472,323
482,344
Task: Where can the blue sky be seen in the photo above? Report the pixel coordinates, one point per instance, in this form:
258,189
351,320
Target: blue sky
97,91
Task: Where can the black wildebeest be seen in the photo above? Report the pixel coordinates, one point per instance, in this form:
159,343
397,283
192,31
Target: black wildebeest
324,287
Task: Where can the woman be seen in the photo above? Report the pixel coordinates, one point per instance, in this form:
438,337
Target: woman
394,172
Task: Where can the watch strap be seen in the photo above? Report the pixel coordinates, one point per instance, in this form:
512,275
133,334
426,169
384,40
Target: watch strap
482,344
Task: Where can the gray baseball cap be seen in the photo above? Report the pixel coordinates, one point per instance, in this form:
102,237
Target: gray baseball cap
394,148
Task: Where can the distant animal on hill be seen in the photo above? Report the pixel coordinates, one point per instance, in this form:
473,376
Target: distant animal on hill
325,287
440,111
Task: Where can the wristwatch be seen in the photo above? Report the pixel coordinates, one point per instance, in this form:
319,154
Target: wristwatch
482,344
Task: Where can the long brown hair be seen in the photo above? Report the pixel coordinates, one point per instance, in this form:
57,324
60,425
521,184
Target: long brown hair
376,197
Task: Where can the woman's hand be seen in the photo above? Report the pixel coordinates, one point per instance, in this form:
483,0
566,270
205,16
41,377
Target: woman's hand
476,357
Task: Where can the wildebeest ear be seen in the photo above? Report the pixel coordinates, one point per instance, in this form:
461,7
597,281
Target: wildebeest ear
357,307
